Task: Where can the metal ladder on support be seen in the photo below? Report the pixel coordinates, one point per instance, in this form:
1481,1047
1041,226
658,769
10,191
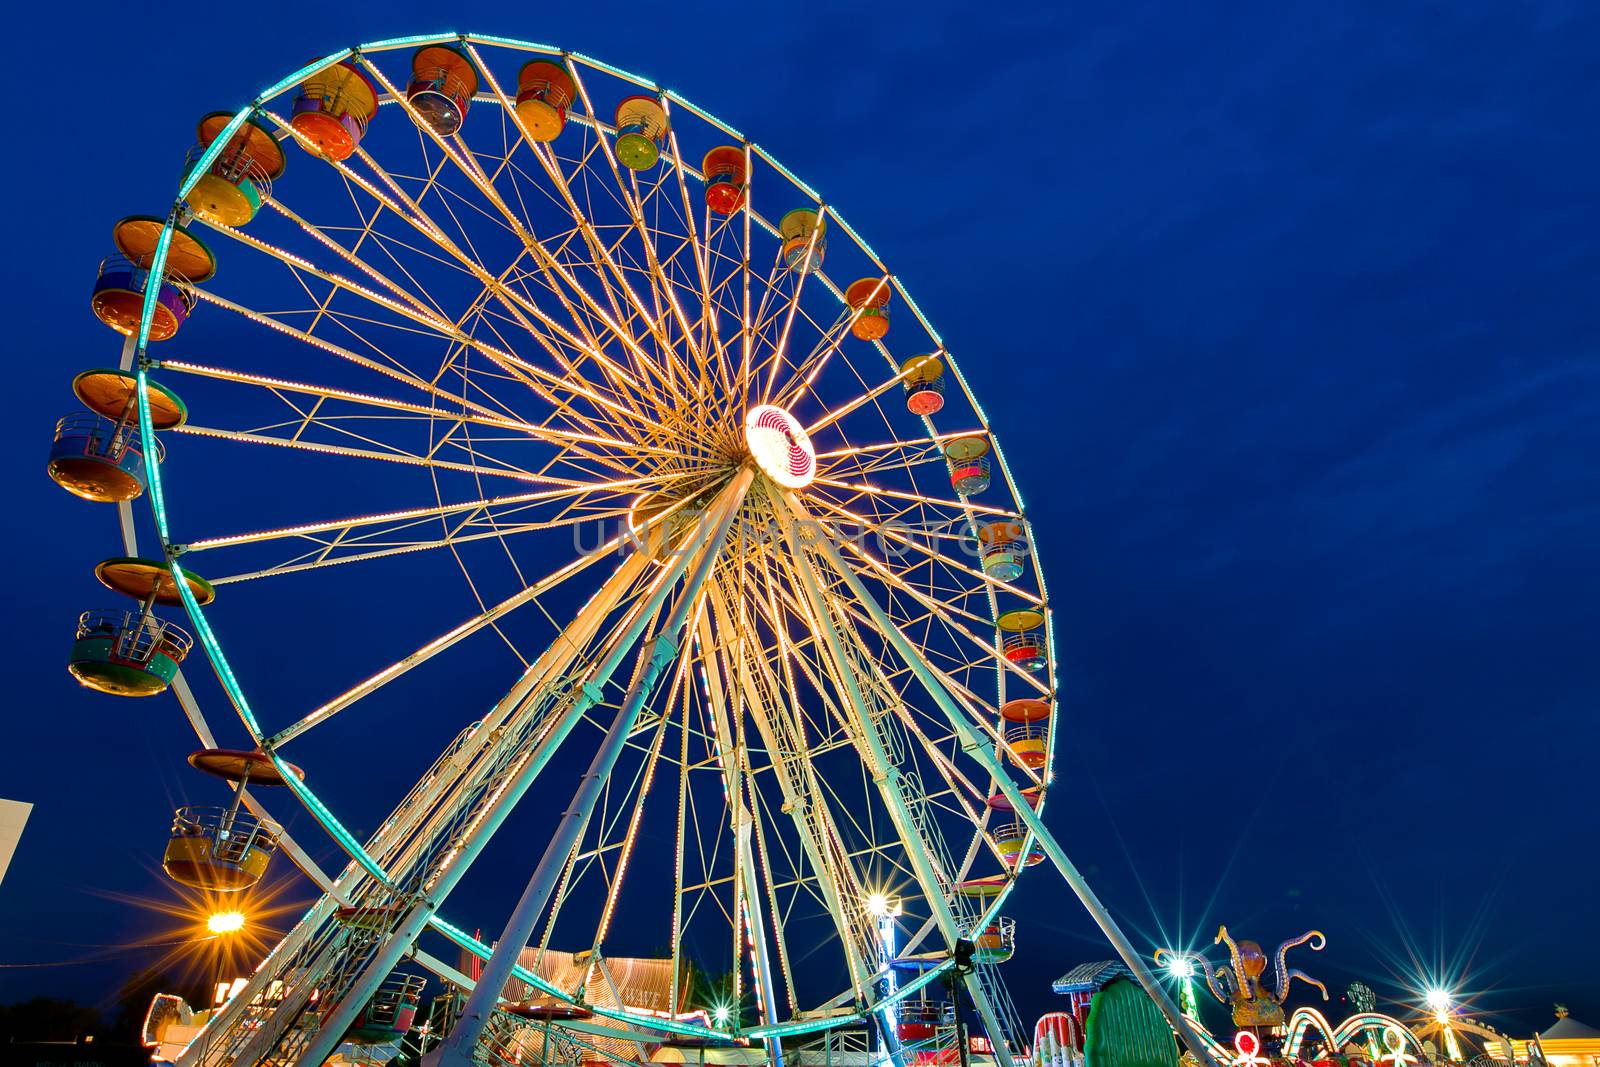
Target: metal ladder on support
895,742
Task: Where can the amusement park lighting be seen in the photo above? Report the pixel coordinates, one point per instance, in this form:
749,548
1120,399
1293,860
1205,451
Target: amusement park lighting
882,905
721,1014
1180,967
225,922
1438,1000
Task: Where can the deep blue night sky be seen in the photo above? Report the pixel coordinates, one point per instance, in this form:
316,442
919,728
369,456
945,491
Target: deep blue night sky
1286,316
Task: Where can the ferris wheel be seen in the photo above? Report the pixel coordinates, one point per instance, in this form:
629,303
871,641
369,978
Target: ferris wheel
559,434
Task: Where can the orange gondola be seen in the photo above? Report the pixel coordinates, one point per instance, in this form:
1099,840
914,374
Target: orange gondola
1026,723
1008,841
333,109
1003,549
99,454
544,92
923,384
870,298
119,294
996,942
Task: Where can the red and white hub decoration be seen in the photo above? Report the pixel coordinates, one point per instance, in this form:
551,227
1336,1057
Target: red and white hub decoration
781,446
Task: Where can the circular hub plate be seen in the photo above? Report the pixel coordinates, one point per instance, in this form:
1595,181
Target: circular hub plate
781,446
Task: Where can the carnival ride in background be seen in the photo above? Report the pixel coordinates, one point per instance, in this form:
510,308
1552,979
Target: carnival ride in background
605,307
1264,1032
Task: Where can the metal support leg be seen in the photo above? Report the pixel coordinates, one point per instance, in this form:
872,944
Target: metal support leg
886,776
457,1049
339,1019
974,745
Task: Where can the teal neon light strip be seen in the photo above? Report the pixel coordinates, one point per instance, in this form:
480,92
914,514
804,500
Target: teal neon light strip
401,42
718,123
616,72
512,42
220,661
152,290
847,228
760,1033
208,157
304,72
320,812
471,944
812,1025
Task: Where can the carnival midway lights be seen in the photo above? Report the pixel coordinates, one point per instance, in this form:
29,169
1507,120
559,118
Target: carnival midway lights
489,295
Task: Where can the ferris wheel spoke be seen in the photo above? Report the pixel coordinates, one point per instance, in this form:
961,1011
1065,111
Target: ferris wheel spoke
811,368
894,455
808,811
899,641
517,303
661,649
631,839
777,360
394,372
394,456
895,532
969,797
948,617
634,211
439,644
349,255
711,342
570,451
840,411
468,167
957,506
544,382
891,786
471,413
733,754
344,525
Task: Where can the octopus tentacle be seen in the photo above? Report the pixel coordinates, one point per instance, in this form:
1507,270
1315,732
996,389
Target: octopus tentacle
1218,983
1218,990
1233,951
1295,972
1281,973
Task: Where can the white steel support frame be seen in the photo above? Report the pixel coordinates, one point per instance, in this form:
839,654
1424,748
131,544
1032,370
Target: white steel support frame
973,743
885,773
735,771
590,694
552,664
798,798
458,1049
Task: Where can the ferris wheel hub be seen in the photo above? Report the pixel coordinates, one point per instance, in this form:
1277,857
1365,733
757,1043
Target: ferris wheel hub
780,446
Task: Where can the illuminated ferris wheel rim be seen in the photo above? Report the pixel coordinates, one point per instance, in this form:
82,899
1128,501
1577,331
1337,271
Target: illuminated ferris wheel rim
800,455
